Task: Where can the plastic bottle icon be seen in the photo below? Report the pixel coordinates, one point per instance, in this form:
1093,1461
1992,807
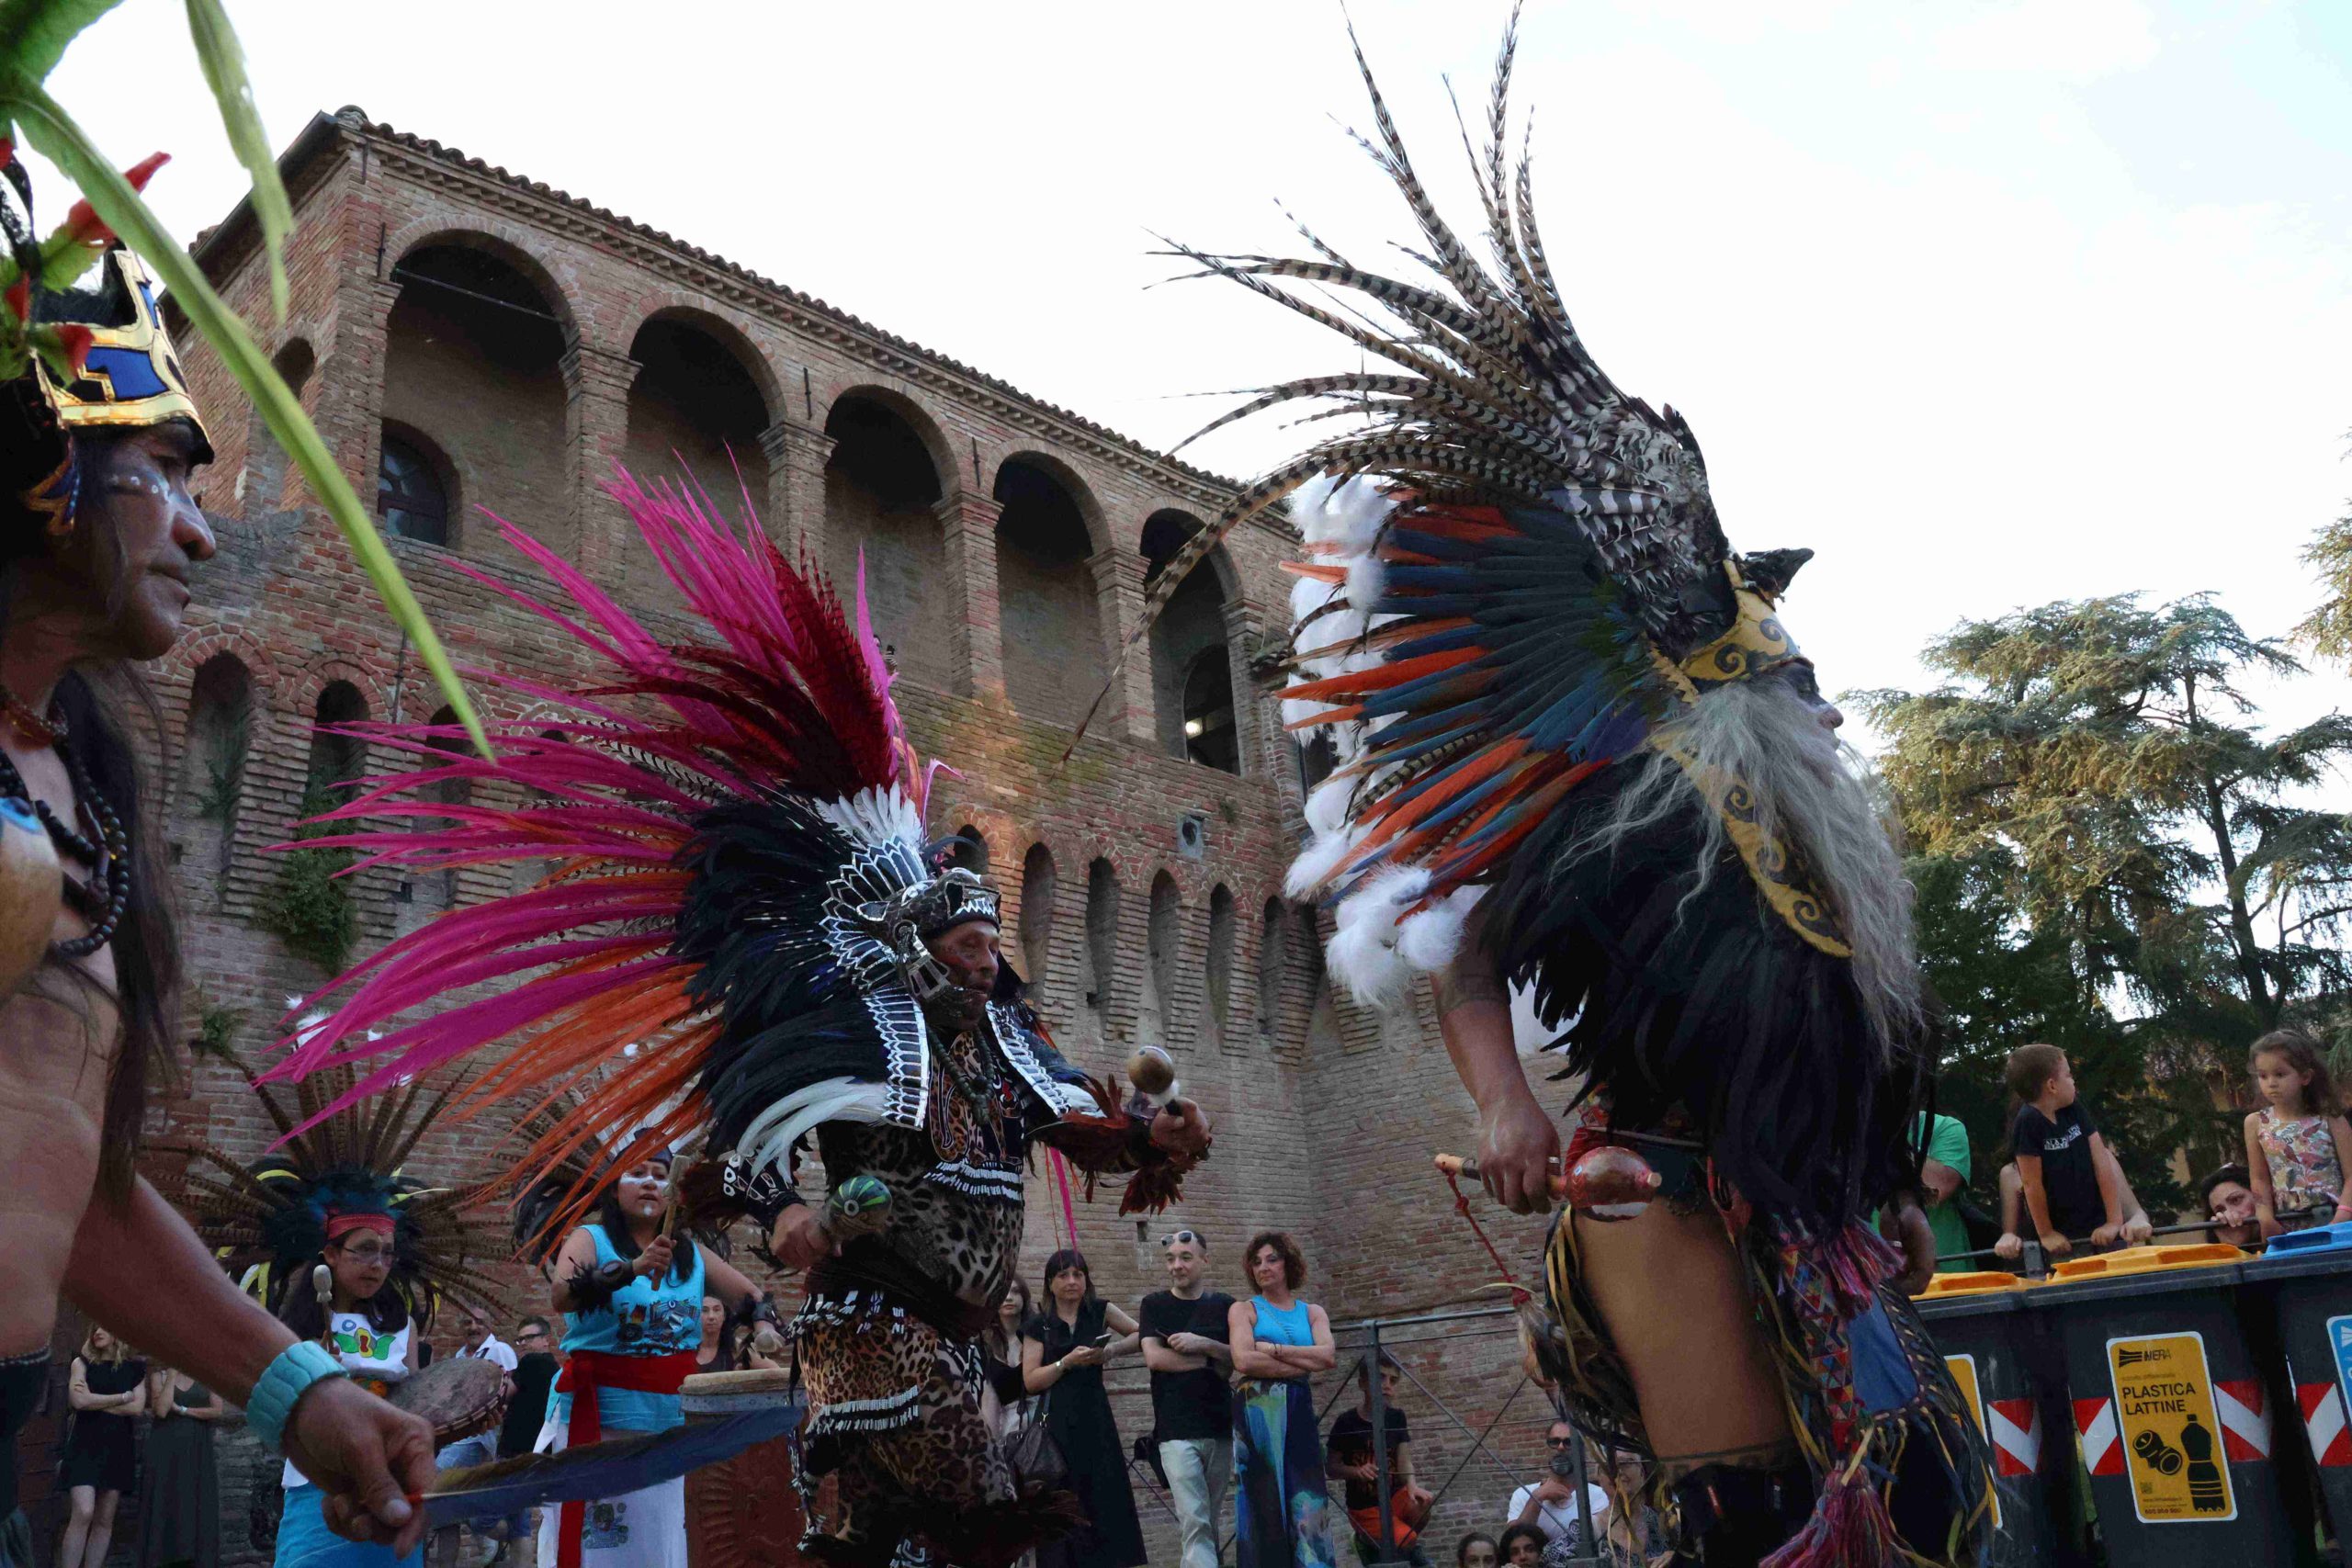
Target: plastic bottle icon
2208,1493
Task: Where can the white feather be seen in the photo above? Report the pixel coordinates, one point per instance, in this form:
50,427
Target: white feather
1327,808
874,816
770,1137
1369,967
1311,508
1307,595
1315,863
1296,712
1430,939
1364,582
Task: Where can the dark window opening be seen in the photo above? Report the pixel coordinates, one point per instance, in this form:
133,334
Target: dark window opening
1210,737
410,497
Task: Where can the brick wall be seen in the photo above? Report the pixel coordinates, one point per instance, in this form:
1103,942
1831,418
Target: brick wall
1325,1113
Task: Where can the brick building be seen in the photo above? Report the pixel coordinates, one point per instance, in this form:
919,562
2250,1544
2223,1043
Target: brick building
468,340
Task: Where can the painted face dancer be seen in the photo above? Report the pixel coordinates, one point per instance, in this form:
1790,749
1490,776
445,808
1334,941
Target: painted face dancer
99,545
1579,753
747,939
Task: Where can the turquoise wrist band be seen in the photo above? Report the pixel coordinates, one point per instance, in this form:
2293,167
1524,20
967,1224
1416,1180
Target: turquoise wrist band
293,1370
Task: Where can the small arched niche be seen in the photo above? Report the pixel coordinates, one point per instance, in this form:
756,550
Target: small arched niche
474,369
262,485
1046,599
1037,891
1099,970
882,490
1163,937
1192,665
334,760
1216,991
213,765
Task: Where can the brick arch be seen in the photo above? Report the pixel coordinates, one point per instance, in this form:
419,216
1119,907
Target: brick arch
192,652
1228,575
511,242
723,328
1089,505
951,473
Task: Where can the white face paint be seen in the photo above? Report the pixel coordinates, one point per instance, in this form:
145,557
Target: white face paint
645,1187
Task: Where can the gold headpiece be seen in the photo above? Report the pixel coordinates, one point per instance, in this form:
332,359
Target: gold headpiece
130,379
1756,641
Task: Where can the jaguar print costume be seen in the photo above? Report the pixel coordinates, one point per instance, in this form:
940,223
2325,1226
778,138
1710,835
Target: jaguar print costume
888,1340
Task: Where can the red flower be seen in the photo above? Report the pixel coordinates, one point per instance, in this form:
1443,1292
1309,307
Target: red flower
20,299
84,227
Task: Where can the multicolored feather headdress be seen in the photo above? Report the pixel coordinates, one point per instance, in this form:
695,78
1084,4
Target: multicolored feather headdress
725,943
334,1170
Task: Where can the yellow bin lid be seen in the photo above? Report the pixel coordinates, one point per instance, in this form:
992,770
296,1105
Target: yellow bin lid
2143,1260
1981,1282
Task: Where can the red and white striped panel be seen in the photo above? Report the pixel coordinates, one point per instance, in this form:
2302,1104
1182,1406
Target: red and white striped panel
2246,1420
2102,1446
2323,1408
2015,1427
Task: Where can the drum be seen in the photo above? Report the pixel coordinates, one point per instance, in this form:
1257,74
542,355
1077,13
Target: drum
460,1398
742,1512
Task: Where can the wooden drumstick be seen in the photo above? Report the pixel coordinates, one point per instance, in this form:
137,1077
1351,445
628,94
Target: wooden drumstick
1454,1165
32,885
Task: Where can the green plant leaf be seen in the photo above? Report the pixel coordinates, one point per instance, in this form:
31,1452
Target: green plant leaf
51,130
34,33
224,71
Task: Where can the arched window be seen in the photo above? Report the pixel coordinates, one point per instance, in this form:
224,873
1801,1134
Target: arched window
968,851
335,760
881,487
1274,938
1045,591
409,496
1210,737
213,777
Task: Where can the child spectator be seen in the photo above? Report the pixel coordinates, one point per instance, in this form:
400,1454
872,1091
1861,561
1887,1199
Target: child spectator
1476,1549
2137,1227
1352,1460
2294,1144
2228,1197
2066,1186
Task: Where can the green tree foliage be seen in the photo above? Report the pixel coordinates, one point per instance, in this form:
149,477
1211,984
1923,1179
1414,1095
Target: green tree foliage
306,905
2327,631
2098,821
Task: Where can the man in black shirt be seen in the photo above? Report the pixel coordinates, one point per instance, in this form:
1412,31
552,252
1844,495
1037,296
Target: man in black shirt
1184,1345
535,1372
1351,1458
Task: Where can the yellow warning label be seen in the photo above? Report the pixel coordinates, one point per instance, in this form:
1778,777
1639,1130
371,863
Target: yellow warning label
1963,1372
2170,1432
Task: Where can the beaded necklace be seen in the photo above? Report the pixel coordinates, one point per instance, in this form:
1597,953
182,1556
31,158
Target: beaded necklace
102,899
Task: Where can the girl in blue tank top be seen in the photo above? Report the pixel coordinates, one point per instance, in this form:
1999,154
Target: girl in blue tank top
632,1300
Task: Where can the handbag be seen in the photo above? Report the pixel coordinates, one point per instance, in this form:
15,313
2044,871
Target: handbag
1031,1452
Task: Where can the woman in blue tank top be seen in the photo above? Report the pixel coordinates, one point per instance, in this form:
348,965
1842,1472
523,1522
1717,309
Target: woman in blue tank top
632,1299
1278,1340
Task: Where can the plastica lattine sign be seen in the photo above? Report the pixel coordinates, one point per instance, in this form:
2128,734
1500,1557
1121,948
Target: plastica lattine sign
2170,1429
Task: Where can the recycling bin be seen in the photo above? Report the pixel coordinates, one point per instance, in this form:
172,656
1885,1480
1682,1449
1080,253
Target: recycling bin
1988,1341
2307,1277
2169,1406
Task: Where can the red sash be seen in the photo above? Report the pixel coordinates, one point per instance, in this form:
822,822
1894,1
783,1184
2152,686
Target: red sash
585,1371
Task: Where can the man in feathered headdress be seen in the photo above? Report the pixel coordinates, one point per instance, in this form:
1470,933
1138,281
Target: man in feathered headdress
1580,753
98,540
748,942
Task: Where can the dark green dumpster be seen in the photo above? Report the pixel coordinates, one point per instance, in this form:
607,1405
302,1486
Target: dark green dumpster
1980,1324
2308,1277
2175,1424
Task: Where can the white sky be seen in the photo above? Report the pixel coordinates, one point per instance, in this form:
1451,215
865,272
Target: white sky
1988,303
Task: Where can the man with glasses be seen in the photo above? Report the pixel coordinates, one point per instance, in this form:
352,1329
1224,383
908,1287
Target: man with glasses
1550,1504
1185,1346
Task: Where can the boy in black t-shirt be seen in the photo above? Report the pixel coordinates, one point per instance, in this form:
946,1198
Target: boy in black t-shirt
1184,1345
2069,1190
1350,1459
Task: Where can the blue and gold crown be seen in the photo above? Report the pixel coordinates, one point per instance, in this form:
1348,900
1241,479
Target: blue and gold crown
130,379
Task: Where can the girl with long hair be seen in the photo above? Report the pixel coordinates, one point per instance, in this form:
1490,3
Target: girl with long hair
1063,1349
1279,1504
2296,1145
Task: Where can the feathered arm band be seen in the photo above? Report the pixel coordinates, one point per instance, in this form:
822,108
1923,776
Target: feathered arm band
1116,1142
592,1289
